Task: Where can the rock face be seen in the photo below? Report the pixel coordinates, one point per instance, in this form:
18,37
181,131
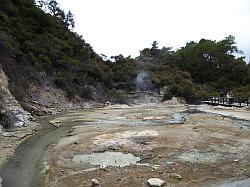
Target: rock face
155,182
11,113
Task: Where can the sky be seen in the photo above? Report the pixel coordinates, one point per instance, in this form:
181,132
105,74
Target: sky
114,27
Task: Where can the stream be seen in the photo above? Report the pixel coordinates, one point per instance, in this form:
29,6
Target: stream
23,169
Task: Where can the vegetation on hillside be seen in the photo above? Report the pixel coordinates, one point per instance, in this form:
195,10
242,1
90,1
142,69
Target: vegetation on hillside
38,38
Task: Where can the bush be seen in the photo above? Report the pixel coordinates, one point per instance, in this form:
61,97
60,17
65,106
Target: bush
187,90
241,92
167,95
87,92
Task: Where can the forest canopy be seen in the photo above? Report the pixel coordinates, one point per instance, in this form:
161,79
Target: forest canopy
38,38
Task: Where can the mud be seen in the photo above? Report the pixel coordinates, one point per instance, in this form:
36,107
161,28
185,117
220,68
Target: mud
126,145
168,141
105,159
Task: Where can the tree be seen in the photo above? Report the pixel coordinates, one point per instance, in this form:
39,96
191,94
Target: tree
69,20
154,45
41,4
53,7
151,52
154,49
208,60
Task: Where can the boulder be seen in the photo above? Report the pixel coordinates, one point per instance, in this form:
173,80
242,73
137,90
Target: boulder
95,182
155,182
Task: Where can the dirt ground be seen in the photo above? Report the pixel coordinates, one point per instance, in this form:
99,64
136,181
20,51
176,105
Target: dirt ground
122,145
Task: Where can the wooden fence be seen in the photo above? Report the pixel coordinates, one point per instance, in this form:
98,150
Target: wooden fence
225,101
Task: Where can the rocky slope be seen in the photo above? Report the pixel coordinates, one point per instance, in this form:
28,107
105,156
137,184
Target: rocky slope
11,112
12,116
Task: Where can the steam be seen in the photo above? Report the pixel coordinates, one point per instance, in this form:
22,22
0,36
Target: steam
142,81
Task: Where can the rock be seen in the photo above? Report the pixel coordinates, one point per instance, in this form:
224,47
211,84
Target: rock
71,134
103,166
170,163
175,175
76,143
155,166
1,182
30,108
55,123
95,182
46,170
12,114
22,135
35,102
7,134
8,146
155,182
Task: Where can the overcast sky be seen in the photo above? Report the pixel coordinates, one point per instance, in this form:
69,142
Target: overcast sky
115,27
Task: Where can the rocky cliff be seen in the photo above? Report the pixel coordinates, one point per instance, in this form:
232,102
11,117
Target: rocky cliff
11,113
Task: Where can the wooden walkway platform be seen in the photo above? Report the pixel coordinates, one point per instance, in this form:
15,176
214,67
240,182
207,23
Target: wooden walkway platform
225,101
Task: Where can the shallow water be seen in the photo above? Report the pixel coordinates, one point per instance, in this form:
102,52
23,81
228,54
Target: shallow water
23,169
239,183
178,118
242,123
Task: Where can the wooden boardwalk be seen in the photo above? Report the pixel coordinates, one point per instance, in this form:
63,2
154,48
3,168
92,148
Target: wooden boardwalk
225,101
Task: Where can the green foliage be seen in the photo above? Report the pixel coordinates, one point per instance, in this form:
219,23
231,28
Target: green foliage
208,60
186,89
123,72
151,52
39,42
198,69
241,92
39,38
117,97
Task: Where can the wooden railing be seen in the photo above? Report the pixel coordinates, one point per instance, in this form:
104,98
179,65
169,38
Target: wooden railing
225,101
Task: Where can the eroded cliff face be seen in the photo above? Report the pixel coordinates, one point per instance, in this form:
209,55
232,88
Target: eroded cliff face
11,113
